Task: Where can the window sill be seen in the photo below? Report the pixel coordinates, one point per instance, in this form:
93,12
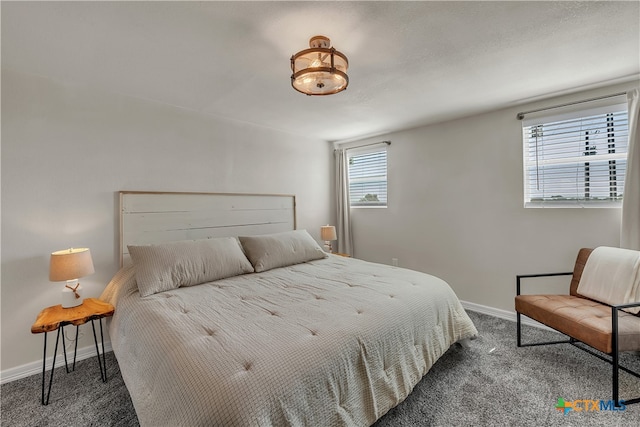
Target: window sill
564,204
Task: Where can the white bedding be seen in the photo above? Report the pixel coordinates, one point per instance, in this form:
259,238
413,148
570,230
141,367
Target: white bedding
331,342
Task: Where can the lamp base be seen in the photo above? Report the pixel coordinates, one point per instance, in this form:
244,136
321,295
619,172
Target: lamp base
327,247
71,294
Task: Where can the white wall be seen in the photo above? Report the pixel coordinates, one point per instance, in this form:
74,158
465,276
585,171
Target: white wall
456,209
66,152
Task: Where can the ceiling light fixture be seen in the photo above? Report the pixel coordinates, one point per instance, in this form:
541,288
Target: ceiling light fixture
319,70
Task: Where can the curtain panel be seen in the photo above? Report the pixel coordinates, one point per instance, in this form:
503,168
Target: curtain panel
630,224
343,214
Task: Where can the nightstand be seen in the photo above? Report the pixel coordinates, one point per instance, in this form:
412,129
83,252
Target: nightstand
344,255
56,318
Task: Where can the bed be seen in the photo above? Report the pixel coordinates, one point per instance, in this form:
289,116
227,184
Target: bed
285,334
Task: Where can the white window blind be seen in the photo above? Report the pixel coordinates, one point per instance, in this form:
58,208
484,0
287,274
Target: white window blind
576,159
368,177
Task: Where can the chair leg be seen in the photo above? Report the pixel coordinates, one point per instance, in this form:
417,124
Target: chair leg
614,356
518,329
614,378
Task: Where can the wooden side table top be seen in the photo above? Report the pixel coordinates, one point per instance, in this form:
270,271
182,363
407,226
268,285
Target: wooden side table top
344,255
51,318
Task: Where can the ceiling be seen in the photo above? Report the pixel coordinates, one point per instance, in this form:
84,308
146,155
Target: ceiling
411,63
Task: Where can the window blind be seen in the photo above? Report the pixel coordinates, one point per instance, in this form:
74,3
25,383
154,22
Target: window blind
368,178
576,159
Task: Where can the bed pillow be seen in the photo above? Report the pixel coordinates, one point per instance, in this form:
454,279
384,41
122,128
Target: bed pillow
187,263
281,249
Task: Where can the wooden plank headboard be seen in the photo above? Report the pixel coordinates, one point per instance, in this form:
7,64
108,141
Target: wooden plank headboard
158,217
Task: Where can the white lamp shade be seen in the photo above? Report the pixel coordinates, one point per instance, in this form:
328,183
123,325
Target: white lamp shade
328,233
70,264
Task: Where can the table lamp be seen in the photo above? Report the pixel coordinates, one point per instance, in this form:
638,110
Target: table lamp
328,233
68,266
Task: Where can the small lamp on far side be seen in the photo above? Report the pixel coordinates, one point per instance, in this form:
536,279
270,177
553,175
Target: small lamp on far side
68,266
328,233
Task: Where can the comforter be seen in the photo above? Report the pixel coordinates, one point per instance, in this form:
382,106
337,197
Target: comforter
332,342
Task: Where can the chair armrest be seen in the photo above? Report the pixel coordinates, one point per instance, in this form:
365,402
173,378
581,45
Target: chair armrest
526,276
623,306
614,322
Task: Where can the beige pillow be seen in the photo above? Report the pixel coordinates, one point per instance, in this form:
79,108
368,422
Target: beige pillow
186,263
281,249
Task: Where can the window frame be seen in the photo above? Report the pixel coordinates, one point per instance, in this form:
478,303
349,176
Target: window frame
355,152
588,113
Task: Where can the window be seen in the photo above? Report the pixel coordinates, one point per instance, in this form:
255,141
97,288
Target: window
576,159
368,177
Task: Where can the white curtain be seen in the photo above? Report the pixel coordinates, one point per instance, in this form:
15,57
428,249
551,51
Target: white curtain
630,226
343,227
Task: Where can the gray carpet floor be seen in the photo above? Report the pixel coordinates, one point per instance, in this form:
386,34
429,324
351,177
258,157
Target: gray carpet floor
492,383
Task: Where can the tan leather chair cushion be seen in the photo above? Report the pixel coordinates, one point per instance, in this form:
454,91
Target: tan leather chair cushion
582,319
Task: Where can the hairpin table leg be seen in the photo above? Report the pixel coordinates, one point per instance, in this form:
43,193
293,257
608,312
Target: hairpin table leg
53,366
103,372
75,350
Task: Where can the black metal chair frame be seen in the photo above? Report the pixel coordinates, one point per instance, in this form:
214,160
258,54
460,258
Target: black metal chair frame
614,356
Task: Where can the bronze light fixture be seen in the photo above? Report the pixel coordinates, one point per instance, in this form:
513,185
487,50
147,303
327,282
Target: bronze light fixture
319,70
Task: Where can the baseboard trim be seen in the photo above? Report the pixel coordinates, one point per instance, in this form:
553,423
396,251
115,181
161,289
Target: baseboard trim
502,314
34,368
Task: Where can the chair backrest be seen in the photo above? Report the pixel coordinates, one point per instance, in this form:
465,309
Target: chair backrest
581,260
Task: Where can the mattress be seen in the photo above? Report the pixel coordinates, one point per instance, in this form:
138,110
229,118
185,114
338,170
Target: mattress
332,342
